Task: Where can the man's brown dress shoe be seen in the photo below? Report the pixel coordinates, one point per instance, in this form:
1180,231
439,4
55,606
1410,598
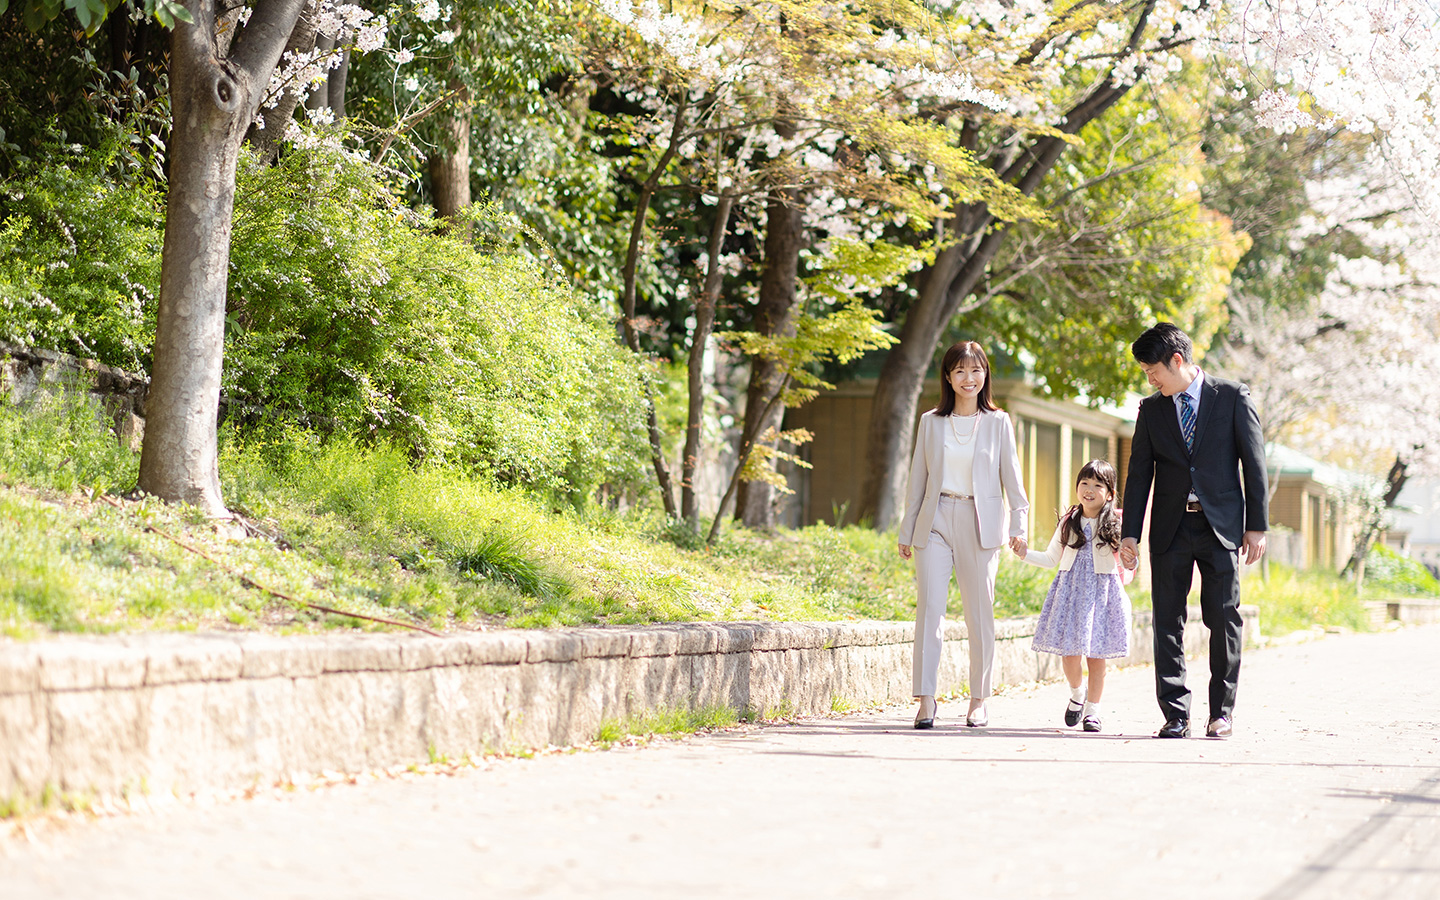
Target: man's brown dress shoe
1220,727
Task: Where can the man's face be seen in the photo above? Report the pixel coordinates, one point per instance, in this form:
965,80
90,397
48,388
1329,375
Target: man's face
1169,378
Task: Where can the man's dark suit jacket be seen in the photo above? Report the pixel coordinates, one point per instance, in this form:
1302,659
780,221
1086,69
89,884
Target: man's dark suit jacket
1228,441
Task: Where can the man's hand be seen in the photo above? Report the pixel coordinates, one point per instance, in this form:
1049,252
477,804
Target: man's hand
1252,546
1130,553
1019,545
905,551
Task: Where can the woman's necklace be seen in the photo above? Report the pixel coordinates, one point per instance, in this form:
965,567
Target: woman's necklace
964,438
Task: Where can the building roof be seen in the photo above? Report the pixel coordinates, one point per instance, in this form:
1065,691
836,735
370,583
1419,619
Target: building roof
1288,461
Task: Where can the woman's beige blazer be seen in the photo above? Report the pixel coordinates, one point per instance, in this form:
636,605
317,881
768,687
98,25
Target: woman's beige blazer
996,468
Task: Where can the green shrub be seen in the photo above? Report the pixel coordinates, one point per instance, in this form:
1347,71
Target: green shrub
80,255
1292,600
349,314
63,442
1389,573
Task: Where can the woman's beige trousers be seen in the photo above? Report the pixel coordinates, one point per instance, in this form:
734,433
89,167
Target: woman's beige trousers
954,546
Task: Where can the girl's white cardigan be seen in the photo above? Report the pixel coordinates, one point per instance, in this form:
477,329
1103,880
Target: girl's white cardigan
1064,556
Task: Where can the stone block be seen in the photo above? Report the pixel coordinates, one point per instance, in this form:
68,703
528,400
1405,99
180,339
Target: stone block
274,656
735,637
331,709
653,682
82,665
419,651
173,659
493,647
98,740
552,646
605,643
361,653
721,679
396,706
25,763
653,642
262,735
176,752
19,668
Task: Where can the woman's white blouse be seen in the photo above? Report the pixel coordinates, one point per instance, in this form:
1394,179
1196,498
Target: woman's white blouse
959,462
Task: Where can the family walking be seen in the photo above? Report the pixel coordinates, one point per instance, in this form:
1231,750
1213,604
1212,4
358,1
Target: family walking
1197,443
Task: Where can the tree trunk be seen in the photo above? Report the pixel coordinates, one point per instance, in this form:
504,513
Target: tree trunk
704,324
335,84
944,285
266,141
213,101
450,163
628,297
1394,484
775,316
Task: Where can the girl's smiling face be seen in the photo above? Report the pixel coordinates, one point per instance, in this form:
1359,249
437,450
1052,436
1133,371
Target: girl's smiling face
1093,494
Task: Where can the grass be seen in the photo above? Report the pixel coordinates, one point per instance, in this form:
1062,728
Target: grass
669,722
363,530
1293,600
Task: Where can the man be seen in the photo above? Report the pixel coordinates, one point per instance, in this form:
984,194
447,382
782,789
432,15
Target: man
1193,439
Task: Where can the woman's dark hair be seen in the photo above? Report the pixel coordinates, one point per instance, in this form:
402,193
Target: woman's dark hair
958,353
1107,524
1160,343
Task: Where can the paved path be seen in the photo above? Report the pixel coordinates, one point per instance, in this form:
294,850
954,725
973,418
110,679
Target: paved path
1330,789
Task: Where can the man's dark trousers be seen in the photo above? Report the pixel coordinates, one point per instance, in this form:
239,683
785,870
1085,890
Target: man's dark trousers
1195,544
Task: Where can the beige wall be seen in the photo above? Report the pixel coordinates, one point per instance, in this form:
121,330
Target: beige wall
1052,437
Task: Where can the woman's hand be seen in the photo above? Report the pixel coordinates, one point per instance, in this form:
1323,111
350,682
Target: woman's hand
905,551
1019,545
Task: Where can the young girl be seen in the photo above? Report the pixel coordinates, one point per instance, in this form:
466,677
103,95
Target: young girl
1086,612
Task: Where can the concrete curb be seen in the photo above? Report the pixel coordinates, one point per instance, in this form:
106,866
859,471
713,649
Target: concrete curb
185,712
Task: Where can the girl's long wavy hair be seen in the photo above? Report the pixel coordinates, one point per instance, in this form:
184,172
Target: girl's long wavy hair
1107,523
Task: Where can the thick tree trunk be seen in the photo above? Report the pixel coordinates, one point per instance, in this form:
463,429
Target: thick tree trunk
450,163
213,101
776,315
953,276
943,286
704,324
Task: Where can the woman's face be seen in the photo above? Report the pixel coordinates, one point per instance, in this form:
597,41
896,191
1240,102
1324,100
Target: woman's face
967,378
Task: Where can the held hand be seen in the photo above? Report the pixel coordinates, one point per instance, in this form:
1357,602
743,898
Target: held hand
1129,554
1252,546
1019,545
905,551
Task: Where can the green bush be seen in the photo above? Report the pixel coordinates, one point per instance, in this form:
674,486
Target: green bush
80,255
63,442
349,314
1389,573
1292,600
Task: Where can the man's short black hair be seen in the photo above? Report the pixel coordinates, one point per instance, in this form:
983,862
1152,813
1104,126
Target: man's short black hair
1160,343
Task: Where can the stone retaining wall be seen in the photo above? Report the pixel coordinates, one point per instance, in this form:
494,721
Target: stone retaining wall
168,712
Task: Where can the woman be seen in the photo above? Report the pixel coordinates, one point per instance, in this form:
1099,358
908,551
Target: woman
956,520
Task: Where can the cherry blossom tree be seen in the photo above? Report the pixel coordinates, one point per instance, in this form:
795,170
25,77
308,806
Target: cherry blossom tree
1371,66
805,110
1075,64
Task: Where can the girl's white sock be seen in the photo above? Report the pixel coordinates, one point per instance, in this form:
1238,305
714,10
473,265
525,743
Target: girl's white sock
1091,709
1078,694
